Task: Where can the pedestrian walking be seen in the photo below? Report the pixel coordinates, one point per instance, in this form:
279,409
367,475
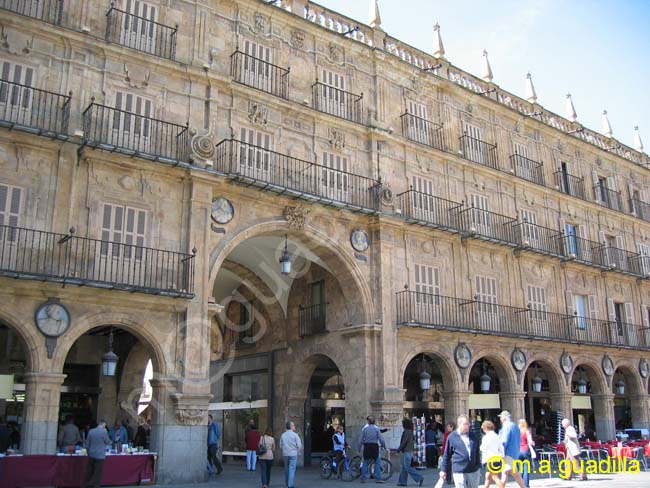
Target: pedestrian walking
572,449
526,450
252,440
406,448
214,434
97,441
290,444
430,445
369,442
491,449
462,456
265,455
510,437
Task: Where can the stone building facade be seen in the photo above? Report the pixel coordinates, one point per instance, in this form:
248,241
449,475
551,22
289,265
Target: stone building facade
157,159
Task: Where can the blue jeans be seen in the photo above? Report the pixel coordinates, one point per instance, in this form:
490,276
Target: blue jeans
525,455
265,468
251,460
406,469
364,468
290,463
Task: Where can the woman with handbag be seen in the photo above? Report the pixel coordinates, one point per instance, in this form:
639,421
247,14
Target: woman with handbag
265,455
526,450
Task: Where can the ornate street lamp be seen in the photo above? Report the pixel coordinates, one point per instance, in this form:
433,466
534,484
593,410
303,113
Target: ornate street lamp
109,358
537,381
485,380
582,384
619,386
285,259
425,377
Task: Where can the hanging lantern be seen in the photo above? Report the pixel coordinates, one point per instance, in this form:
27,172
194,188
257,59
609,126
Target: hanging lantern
537,384
285,259
582,386
109,358
425,381
620,387
485,382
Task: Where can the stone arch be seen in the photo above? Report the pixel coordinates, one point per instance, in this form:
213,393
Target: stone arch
132,376
634,384
450,376
301,377
599,384
139,328
352,280
551,368
34,347
507,376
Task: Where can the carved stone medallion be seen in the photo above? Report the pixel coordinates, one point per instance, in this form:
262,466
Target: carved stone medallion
296,216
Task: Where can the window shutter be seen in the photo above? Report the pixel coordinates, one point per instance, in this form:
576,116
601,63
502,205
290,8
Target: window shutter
593,307
611,183
629,313
619,242
582,231
645,318
594,178
10,205
611,310
601,237
570,304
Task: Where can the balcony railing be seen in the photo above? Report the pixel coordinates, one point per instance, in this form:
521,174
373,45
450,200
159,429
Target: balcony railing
337,102
441,312
479,151
126,132
422,131
641,265
540,239
313,319
621,260
257,73
585,251
48,256
608,198
429,210
487,225
282,174
570,185
140,33
33,110
640,208
527,169
45,10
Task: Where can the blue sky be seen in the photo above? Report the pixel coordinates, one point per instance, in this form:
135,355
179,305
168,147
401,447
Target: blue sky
597,50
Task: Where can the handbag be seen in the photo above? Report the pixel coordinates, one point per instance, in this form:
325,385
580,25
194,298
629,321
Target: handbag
533,453
261,448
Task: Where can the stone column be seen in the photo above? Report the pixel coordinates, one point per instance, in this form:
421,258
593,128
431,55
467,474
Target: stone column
561,402
42,395
179,433
456,403
640,409
388,415
603,405
513,401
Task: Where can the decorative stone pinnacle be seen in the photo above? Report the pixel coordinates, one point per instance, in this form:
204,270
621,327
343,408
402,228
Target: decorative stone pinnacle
607,128
531,95
375,17
570,109
638,145
487,69
438,47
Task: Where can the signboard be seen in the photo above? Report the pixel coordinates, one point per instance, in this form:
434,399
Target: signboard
6,386
484,401
581,402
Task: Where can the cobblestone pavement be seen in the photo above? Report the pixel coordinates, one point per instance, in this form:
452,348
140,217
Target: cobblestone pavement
237,476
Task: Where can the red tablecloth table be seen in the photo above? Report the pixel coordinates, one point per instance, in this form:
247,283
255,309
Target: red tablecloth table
621,452
68,471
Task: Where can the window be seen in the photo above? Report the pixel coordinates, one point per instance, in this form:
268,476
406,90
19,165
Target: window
257,65
574,236
524,166
123,231
537,302
427,284
10,209
644,258
246,324
583,308
132,118
418,127
602,189
422,202
529,227
521,149
318,299
15,99
564,173
474,148
255,153
139,33
335,98
336,176
486,294
480,215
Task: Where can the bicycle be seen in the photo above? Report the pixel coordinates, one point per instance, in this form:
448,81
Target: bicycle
386,467
328,467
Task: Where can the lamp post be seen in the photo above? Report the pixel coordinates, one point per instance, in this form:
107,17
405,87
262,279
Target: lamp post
285,259
109,358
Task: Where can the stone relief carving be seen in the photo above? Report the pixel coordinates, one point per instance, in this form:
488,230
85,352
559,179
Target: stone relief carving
297,39
386,195
202,147
258,113
191,416
336,138
15,42
136,76
336,53
127,183
424,163
259,23
296,216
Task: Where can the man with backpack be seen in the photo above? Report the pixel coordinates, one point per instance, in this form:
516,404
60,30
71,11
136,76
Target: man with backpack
370,440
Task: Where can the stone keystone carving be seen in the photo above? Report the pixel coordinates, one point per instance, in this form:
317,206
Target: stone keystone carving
296,216
258,113
136,76
337,138
297,39
191,409
192,416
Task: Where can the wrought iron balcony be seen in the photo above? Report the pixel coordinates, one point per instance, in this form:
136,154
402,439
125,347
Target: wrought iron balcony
257,73
45,10
337,102
48,256
479,151
129,133
490,226
540,239
608,198
422,131
140,33
585,251
282,174
527,169
312,319
640,265
32,110
570,185
418,309
621,260
431,211
640,208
